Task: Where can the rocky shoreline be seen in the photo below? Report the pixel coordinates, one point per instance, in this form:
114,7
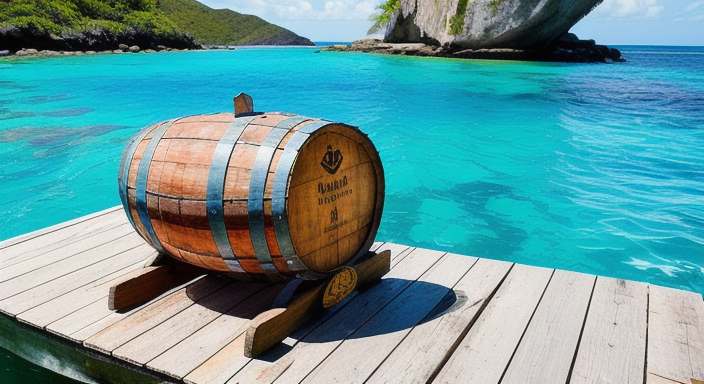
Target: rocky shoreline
568,49
31,52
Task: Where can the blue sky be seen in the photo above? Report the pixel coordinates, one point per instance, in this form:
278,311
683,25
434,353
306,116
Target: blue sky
615,22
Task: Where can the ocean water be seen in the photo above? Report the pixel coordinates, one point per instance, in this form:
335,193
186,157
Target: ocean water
588,167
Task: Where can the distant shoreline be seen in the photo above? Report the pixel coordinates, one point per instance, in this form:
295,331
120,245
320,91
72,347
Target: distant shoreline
356,46
35,53
567,51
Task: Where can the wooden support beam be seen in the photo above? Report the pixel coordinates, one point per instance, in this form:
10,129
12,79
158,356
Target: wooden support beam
275,325
150,282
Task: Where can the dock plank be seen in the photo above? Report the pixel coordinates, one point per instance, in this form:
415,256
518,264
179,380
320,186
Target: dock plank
229,360
84,317
57,308
86,273
612,349
675,336
429,344
398,251
137,323
96,308
547,349
52,257
152,343
485,352
365,349
112,317
221,366
510,324
186,356
60,234
317,345
68,265
100,233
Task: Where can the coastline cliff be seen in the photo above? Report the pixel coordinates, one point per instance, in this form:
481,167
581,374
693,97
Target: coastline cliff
493,29
476,24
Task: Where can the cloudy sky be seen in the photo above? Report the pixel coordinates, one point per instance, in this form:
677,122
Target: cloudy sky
617,22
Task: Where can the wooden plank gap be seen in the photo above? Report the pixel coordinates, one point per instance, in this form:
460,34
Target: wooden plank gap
137,322
46,313
229,360
523,334
546,349
29,265
328,335
417,358
46,291
676,335
77,309
152,344
463,334
485,352
187,355
365,349
69,265
48,230
81,327
433,313
581,333
513,354
38,247
613,341
647,329
113,317
398,251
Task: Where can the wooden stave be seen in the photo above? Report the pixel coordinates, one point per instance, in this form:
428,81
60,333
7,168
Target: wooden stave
299,268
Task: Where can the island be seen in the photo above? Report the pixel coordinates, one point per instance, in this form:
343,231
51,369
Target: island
487,29
52,27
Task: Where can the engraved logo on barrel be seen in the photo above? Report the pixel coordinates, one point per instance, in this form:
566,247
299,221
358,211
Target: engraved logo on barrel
331,160
340,286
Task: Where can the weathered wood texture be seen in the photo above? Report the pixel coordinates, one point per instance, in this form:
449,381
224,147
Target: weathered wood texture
613,340
149,282
675,336
435,317
268,196
274,325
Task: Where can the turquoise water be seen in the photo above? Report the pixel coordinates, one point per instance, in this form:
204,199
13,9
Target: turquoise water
591,168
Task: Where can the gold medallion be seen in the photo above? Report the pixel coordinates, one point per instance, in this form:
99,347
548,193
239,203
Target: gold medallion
340,286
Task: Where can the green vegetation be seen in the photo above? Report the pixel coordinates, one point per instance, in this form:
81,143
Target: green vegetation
383,18
74,16
105,24
494,5
457,21
223,26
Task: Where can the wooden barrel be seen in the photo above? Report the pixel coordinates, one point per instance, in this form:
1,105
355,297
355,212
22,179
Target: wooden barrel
272,196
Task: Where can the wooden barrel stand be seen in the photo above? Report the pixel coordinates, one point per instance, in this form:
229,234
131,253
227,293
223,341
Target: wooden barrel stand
300,300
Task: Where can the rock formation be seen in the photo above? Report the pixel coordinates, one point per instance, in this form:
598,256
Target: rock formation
568,49
477,24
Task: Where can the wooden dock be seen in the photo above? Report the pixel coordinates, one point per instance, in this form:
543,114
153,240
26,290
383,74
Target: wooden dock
435,317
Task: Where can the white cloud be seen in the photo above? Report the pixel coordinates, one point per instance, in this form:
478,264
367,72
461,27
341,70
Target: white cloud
300,9
629,9
692,6
691,12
